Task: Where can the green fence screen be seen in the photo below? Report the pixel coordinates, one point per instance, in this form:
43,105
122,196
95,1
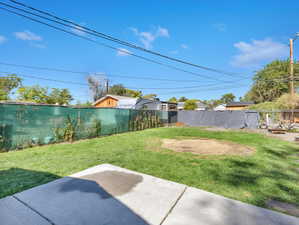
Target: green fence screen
24,126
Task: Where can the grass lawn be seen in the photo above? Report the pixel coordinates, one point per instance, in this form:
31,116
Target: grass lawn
269,173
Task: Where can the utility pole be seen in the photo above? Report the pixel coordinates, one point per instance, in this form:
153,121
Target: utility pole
107,86
292,90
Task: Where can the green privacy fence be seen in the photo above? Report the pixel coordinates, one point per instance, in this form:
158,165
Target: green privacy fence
24,126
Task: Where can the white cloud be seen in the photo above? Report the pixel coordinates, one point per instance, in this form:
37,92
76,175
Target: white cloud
184,46
147,38
162,32
79,30
220,27
2,39
28,36
258,51
123,52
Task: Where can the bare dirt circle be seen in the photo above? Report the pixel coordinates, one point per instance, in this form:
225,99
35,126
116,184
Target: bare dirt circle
206,147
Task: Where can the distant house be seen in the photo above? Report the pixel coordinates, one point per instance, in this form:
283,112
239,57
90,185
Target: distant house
221,107
181,105
169,106
200,106
116,101
156,104
238,105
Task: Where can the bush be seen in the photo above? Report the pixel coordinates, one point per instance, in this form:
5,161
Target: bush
190,104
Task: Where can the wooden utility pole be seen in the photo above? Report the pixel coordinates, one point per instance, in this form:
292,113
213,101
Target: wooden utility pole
107,86
292,89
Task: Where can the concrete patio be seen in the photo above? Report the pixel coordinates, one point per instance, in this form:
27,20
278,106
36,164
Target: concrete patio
109,195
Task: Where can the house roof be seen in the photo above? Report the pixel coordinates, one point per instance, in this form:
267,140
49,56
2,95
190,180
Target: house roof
181,104
117,97
220,107
200,105
167,102
239,104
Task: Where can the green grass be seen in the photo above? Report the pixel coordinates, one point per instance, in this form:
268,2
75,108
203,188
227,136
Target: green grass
270,173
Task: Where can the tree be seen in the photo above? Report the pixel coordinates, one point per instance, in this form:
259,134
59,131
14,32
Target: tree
96,86
271,82
117,89
7,84
173,99
59,96
33,94
182,99
134,94
41,95
86,104
288,101
190,104
227,98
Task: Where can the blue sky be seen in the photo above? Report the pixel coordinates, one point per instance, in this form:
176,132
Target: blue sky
235,36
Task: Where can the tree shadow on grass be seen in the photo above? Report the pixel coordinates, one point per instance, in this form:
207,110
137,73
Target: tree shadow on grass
268,178
82,201
14,180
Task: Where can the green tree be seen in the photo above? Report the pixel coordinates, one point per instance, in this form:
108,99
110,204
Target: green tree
7,84
271,82
133,93
33,94
182,99
227,98
59,96
119,89
173,99
86,104
40,94
190,104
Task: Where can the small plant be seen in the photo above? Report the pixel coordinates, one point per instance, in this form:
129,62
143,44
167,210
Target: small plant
98,127
68,132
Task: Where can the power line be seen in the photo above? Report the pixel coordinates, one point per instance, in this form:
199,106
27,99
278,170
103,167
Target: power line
205,90
87,73
84,84
113,39
105,45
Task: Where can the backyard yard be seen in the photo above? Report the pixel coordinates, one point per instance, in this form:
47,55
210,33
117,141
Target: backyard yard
248,167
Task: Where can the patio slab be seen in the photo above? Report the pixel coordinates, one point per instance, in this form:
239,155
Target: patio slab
13,212
104,194
197,207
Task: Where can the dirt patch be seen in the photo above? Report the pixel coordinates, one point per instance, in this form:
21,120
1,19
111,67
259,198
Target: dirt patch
114,182
206,147
283,207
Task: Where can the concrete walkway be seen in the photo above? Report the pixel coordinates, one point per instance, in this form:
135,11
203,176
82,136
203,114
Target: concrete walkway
109,195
